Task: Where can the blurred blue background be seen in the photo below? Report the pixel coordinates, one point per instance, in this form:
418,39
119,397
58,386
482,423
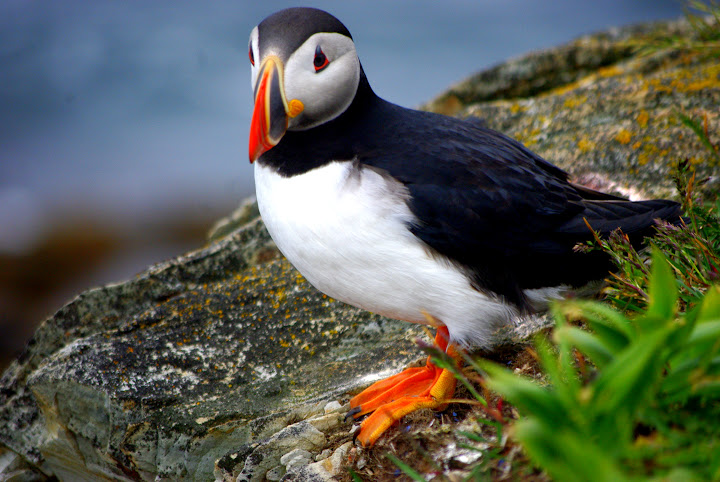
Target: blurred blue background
123,124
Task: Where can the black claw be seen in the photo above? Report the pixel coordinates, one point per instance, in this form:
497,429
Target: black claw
352,412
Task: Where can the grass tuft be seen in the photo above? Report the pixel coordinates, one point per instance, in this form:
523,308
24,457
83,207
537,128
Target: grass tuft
691,248
648,407
704,18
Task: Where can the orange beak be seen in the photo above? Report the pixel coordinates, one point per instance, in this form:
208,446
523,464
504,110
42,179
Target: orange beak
271,113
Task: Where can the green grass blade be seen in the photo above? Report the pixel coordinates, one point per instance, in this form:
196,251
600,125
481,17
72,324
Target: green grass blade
700,133
560,373
566,455
590,345
623,384
525,394
603,317
704,333
473,436
710,308
662,291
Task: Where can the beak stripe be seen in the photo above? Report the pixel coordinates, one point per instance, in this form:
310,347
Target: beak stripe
277,107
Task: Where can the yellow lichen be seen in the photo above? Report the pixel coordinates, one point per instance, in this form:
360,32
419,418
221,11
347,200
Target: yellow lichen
586,145
572,102
624,136
563,89
610,71
642,118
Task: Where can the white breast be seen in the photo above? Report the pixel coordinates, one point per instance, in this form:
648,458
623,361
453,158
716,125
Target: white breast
345,229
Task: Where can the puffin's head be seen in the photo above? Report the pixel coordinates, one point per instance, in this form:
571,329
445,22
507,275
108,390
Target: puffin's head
305,72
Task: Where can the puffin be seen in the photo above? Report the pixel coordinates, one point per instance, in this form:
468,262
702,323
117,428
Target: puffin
413,215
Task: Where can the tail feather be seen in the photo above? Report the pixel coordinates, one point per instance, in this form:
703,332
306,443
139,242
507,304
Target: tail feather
634,218
561,265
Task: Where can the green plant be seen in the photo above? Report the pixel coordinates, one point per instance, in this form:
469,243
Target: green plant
620,421
692,247
707,30
704,18
701,131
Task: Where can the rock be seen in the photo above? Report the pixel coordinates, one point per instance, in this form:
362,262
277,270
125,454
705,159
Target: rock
14,468
289,447
295,458
333,407
323,471
328,422
323,455
276,473
540,72
334,463
222,361
301,436
247,211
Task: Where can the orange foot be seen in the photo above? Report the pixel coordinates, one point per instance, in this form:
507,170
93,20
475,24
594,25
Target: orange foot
410,390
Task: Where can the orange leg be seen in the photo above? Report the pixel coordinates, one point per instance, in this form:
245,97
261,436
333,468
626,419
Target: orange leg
412,389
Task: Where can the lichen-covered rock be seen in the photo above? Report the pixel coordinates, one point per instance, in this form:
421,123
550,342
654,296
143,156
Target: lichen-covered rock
221,362
539,72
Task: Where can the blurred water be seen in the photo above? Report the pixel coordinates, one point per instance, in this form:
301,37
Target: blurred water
129,110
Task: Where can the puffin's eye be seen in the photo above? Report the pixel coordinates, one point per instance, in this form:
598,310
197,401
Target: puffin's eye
252,57
320,61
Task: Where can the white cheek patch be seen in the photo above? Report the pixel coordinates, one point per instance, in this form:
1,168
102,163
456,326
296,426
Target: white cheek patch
327,93
256,55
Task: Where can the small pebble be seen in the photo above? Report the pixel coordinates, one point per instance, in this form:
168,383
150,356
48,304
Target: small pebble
337,460
323,455
295,458
333,406
456,476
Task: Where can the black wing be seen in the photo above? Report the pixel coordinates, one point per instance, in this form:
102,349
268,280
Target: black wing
493,206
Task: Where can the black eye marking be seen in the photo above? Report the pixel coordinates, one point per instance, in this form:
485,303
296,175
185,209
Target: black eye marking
320,61
252,57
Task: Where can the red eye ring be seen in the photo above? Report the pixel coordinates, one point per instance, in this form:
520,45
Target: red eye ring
320,61
252,57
